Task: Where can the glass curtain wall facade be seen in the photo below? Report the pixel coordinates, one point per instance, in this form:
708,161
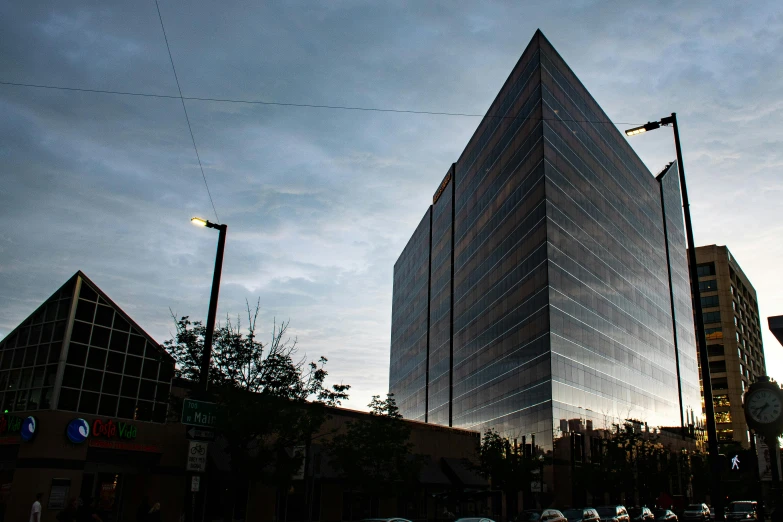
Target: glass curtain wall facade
561,305
79,352
410,314
29,355
441,286
684,330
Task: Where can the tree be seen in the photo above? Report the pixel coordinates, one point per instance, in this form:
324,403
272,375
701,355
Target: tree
269,402
374,454
506,465
630,462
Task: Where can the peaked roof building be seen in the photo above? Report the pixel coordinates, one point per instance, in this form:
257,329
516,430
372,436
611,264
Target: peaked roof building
546,287
81,352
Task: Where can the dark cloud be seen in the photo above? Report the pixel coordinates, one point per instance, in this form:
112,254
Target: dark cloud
320,202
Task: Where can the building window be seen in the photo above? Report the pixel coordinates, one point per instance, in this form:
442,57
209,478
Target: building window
722,416
715,350
708,286
113,370
722,400
713,333
29,356
707,269
711,317
710,301
717,366
720,384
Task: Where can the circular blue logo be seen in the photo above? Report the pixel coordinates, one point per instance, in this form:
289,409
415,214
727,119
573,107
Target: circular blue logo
78,430
29,429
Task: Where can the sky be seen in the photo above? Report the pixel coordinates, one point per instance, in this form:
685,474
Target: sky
320,202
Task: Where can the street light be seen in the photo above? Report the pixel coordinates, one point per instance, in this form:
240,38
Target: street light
701,340
650,125
213,301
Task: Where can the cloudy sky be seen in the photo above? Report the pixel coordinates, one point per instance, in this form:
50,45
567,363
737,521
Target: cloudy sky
320,202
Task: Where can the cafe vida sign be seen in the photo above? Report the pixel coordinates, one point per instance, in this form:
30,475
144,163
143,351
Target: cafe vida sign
113,430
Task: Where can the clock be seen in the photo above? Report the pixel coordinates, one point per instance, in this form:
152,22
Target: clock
763,404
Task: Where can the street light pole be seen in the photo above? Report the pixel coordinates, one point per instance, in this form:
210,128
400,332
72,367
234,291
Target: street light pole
709,406
213,302
701,339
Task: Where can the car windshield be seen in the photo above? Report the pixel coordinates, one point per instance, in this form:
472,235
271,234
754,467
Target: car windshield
608,511
573,514
743,507
693,507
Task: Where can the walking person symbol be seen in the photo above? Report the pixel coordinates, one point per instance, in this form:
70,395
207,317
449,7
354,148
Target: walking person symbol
735,462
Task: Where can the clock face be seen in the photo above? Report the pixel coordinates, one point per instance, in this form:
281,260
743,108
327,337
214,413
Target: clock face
764,406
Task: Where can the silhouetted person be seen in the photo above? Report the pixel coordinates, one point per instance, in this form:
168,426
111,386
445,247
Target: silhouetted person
35,510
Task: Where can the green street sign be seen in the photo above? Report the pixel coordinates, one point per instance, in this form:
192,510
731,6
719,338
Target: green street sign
199,413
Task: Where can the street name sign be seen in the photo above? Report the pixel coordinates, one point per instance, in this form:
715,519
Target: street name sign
199,413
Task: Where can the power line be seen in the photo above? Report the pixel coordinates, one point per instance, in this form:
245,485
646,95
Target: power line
305,105
186,113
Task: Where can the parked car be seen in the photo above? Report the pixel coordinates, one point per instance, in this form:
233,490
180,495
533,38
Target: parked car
664,515
616,513
742,510
641,514
582,515
474,519
696,513
547,515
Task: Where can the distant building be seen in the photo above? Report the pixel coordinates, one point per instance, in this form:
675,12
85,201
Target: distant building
733,330
548,280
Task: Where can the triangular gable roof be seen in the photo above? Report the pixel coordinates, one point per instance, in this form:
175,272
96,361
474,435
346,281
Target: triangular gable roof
124,315
67,287
65,291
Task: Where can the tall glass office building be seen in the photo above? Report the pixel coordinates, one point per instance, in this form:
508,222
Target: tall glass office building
548,281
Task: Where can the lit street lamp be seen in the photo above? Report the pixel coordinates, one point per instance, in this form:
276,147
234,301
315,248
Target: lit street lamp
213,301
701,340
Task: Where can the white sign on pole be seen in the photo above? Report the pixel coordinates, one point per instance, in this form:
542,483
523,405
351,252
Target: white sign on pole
765,459
299,451
197,455
195,482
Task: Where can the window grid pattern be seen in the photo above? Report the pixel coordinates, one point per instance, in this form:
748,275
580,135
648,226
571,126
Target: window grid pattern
612,333
410,302
29,355
501,347
438,388
111,368
561,301
685,330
